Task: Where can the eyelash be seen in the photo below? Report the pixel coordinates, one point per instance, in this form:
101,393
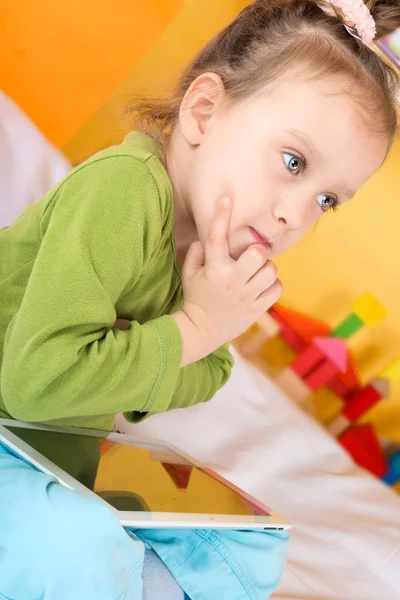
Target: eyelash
335,204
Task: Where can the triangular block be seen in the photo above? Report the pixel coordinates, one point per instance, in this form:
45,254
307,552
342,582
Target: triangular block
363,445
334,349
306,327
350,378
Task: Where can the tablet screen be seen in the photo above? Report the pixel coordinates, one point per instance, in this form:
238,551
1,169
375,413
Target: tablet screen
139,479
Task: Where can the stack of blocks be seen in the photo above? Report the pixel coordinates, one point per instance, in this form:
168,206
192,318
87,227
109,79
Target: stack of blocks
323,359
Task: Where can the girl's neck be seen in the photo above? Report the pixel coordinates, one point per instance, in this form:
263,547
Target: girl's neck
185,232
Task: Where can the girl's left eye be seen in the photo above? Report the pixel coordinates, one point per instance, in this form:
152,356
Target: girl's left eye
327,202
294,163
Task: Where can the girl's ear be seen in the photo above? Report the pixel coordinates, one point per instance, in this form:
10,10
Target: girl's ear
202,98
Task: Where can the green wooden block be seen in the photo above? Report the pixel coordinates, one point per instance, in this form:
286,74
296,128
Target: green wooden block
348,327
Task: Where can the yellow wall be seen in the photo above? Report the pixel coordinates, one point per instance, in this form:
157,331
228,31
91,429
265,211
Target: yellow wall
74,69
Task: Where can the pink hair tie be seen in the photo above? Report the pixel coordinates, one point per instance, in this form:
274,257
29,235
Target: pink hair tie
357,18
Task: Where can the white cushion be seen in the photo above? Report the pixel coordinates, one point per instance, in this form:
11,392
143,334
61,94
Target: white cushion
29,164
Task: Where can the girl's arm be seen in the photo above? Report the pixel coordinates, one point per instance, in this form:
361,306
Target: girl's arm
62,356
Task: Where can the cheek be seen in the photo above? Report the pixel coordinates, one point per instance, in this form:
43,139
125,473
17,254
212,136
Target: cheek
292,238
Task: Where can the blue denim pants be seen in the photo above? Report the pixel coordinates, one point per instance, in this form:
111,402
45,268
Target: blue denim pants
56,544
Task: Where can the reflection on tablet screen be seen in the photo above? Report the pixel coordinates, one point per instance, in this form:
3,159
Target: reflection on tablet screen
138,479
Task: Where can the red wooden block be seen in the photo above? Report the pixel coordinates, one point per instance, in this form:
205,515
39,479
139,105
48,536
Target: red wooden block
360,401
350,377
363,445
338,387
308,360
344,383
293,339
180,474
321,375
305,327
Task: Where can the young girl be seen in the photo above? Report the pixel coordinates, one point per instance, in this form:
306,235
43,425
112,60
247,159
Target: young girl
282,117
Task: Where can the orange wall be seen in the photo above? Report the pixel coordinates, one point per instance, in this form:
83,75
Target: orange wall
61,60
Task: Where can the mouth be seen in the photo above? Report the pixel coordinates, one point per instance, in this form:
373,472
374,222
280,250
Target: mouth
260,239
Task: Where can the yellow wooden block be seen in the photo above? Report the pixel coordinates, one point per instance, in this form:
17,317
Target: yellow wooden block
392,371
328,405
369,310
277,353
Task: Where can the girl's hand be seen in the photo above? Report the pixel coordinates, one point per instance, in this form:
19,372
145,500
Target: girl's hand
223,297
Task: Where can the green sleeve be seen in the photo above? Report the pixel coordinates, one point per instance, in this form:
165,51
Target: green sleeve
197,382
62,357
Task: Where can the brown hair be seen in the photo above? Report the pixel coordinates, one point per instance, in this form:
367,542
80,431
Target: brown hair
270,36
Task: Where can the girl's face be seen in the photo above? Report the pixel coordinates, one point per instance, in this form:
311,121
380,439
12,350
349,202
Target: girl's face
284,158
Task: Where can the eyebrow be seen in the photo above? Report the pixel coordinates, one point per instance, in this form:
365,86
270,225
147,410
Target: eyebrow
348,193
308,145
305,140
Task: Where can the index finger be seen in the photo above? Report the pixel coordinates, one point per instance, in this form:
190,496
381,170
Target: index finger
217,246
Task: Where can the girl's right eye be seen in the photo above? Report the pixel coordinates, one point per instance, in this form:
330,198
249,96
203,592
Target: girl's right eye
295,164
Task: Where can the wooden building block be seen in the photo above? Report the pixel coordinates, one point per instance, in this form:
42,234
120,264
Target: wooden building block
393,474
307,360
268,325
338,426
382,386
363,445
369,310
305,327
291,384
327,404
293,339
338,387
360,402
287,333
350,378
321,375
253,344
348,327
334,350
267,329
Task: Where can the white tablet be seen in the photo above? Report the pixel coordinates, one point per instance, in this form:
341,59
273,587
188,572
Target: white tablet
147,484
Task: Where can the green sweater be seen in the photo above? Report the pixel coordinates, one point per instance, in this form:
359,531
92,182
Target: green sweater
97,247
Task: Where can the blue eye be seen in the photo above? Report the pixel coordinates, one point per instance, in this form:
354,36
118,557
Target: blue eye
295,164
327,202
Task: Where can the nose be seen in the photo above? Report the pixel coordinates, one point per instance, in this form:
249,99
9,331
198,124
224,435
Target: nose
291,211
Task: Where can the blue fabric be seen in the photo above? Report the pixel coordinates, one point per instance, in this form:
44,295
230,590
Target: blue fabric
56,545
244,565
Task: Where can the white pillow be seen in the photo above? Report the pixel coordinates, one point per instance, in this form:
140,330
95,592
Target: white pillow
29,164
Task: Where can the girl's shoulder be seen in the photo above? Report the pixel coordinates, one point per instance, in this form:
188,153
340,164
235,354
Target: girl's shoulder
126,177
